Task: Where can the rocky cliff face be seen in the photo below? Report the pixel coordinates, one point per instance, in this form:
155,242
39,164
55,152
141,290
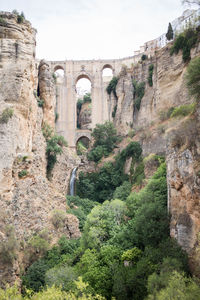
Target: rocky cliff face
29,203
85,117
177,139
183,176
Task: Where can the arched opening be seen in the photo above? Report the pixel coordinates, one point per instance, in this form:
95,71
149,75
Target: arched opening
58,74
58,77
84,102
107,73
82,145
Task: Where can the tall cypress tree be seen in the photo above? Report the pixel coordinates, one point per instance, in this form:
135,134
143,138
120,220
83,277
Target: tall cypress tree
170,33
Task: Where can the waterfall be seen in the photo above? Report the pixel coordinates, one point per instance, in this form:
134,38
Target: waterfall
72,181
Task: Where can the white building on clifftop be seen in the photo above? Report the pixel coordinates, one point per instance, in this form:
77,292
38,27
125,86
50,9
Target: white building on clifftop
189,18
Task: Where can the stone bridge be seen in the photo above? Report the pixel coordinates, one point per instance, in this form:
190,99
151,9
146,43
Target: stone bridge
67,98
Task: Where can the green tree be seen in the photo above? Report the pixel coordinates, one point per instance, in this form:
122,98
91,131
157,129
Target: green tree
177,286
102,223
193,78
123,191
97,268
170,33
105,135
61,276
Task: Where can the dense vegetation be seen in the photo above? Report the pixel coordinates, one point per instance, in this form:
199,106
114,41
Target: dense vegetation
101,185
105,140
125,250
111,88
193,78
185,41
138,92
54,147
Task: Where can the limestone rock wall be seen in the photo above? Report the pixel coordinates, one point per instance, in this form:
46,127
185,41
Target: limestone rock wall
183,177
28,200
177,139
125,106
85,116
47,93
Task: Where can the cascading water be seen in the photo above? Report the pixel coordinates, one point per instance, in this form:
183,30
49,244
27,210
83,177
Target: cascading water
72,181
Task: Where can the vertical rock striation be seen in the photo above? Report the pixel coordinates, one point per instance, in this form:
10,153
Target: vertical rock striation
28,200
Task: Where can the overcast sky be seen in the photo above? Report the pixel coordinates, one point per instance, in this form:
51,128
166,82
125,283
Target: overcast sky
92,29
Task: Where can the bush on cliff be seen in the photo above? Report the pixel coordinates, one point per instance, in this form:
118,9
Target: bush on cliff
193,78
185,41
105,140
55,143
112,86
6,115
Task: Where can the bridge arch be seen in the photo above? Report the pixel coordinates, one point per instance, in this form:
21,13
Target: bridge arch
82,134
84,76
58,67
82,145
108,66
107,71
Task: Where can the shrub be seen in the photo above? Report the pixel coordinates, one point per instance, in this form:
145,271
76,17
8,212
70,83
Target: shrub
20,18
131,133
6,115
23,173
81,149
114,111
164,115
87,98
138,93
193,78
185,134
138,174
9,246
56,116
2,22
37,246
34,278
58,218
47,131
144,57
132,255
112,86
61,276
185,41
183,110
150,77
40,102
54,146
